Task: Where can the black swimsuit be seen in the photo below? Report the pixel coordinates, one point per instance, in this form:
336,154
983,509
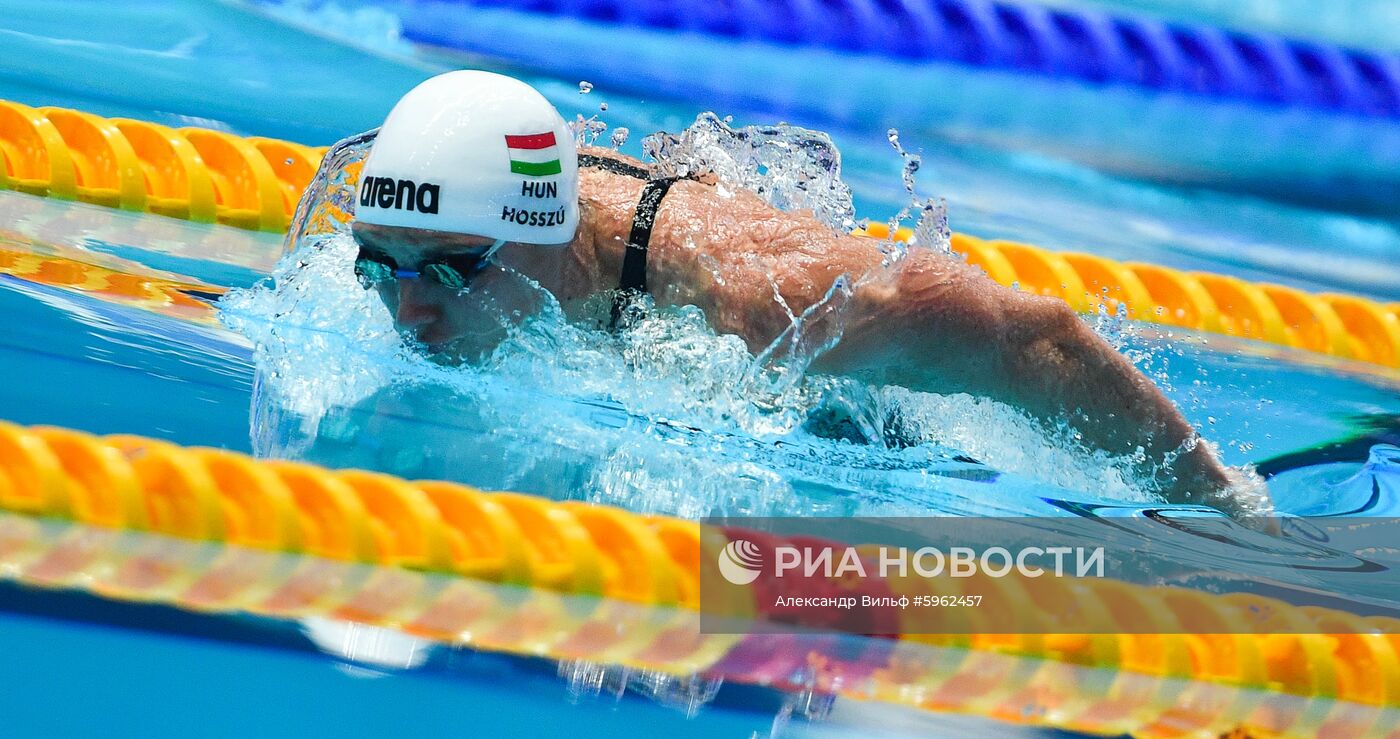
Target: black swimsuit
633,280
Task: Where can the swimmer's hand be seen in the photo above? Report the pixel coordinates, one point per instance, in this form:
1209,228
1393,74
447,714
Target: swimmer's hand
1238,493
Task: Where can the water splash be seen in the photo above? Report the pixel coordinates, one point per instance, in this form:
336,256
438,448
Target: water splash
592,680
931,229
327,204
588,130
666,416
789,167
912,162
1018,442
793,169
807,704
780,372
1113,326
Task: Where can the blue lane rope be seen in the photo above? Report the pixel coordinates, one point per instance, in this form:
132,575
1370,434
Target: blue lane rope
1090,46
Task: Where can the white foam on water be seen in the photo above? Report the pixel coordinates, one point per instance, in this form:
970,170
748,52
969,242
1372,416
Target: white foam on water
324,343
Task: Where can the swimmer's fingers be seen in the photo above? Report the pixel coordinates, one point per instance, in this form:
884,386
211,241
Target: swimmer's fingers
1246,499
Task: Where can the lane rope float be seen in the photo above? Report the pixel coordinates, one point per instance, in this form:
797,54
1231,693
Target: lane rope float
1092,47
218,579
255,183
127,482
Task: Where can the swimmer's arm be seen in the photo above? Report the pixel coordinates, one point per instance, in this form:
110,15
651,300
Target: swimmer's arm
939,325
946,327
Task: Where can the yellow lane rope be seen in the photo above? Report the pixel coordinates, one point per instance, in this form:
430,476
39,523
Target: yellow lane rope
169,297
194,173
254,183
1339,325
217,578
127,482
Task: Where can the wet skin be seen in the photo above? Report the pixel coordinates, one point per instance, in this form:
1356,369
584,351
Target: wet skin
932,323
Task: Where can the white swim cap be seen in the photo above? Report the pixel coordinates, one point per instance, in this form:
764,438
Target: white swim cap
474,153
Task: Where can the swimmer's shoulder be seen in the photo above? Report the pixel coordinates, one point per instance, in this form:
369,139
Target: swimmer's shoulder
595,160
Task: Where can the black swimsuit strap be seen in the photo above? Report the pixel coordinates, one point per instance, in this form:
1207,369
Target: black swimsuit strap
634,259
615,166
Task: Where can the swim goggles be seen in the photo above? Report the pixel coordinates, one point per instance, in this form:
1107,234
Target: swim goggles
455,271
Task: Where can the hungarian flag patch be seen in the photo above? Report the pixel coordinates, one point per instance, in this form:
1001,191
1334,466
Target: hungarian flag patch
535,155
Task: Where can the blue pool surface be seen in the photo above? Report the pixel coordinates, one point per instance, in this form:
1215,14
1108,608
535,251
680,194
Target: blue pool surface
157,671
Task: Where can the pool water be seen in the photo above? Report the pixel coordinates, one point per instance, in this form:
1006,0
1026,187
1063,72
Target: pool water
191,382
188,675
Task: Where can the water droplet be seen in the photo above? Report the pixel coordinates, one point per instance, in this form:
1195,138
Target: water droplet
587,130
602,106
585,87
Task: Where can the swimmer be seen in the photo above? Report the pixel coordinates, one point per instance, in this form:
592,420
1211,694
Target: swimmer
473,170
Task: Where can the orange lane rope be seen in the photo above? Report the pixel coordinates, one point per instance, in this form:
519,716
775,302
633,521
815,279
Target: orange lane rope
255,183
127,482
218,578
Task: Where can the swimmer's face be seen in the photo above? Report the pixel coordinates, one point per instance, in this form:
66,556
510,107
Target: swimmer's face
439,316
